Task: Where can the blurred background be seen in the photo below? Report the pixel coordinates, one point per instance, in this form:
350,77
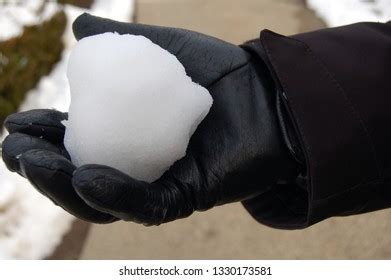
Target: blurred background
35,40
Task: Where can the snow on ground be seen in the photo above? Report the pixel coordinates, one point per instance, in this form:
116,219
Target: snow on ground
30,225
121,10
341,12
18,13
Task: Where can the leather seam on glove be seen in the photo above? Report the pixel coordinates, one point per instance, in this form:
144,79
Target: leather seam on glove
35,124
228,73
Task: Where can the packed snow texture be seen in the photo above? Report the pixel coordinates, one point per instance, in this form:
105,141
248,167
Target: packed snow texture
132,105
342,12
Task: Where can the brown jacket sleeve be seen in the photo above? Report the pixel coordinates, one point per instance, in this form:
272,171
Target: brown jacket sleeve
335,86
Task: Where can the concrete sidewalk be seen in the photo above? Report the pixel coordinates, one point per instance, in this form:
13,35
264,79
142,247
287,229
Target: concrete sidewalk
231,20
228,232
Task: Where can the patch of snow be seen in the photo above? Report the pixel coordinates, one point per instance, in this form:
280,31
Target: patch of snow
342,12
31,226
14,15
120,10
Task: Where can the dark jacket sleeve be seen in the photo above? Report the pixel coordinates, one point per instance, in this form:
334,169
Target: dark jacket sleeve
335,89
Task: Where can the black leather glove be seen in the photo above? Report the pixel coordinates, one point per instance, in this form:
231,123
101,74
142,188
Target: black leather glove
236,153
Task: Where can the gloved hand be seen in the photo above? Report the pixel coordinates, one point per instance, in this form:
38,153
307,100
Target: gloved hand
236,153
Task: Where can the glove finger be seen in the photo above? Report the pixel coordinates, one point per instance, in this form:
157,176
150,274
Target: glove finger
43,123
51,174
111,191
206,59
87,25
16,144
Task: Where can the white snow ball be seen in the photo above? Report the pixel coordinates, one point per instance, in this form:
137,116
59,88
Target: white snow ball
132,105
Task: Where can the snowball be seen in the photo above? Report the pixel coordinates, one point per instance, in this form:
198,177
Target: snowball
132,105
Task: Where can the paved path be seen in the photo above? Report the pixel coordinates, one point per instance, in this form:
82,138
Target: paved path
228,232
